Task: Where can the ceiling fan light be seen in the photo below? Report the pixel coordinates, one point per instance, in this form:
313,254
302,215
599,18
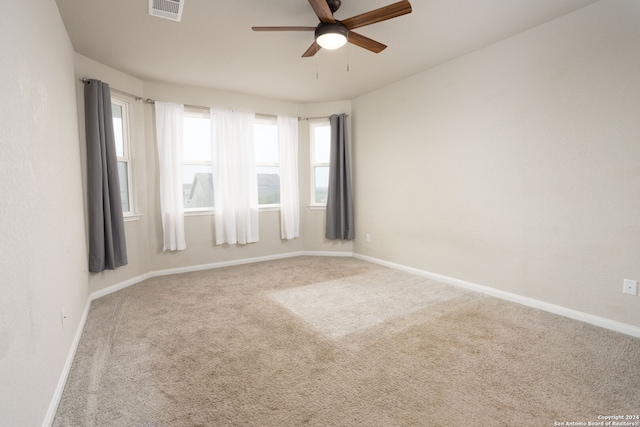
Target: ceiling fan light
331,41
331,36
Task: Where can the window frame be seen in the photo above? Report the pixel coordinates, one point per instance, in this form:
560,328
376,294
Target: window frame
313,164
258,119
126,148
201,113
268,120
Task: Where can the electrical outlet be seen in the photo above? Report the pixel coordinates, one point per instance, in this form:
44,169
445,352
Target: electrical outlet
63,316
367,237
630,287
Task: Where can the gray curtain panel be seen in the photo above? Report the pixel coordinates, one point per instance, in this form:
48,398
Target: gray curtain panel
107,246
340,223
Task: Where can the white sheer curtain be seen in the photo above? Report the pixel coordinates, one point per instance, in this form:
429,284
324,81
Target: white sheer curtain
289,199
169,133
235,181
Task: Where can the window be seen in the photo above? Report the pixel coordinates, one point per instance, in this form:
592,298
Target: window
265,131
320,151
197,169
120,114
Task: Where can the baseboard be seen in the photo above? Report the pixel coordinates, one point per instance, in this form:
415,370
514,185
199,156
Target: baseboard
222,264
508,296
602,322
157,273
530,302
326,253
62,381
114,288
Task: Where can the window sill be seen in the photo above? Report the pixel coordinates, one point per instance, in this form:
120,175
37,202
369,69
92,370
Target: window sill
131,217
317,207
209,212
199,212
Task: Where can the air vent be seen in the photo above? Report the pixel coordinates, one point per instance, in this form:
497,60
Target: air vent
168,9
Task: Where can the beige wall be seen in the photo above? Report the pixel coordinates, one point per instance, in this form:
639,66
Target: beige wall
199,229
514,167
136,231
144,236
312,224
43,260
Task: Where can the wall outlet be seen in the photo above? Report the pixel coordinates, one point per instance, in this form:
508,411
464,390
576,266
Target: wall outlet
367,237
63,317
630,287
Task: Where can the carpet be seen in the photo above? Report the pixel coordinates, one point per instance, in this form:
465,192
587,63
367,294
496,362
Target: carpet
314,341
344,306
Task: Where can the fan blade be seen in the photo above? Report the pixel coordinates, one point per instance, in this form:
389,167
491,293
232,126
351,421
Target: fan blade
321,8
283,28
378,15
313,49
366,42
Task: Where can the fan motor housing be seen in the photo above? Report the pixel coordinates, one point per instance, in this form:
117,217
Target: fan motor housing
334,5
333,28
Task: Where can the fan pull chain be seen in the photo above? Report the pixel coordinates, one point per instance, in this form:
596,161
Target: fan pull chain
348,57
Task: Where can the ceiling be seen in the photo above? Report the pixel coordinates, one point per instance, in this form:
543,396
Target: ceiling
214,47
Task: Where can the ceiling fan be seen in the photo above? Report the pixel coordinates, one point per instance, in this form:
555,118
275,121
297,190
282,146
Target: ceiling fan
331,33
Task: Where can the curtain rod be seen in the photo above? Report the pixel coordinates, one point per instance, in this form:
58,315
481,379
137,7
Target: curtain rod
197,107
200,107
319,117
136,97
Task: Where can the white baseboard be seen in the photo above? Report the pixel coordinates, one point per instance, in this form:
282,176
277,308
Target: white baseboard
221,264
62,381
114,288
326,253
508,296
603,322
530,302
188,269
55,401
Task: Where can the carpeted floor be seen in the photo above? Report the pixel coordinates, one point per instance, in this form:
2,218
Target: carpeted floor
338,342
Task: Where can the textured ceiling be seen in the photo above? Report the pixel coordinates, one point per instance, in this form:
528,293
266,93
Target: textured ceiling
214,47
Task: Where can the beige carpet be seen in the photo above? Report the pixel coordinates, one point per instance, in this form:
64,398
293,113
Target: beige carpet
344,306
338,342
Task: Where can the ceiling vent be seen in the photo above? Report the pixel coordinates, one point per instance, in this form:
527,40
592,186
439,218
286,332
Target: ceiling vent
168,9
